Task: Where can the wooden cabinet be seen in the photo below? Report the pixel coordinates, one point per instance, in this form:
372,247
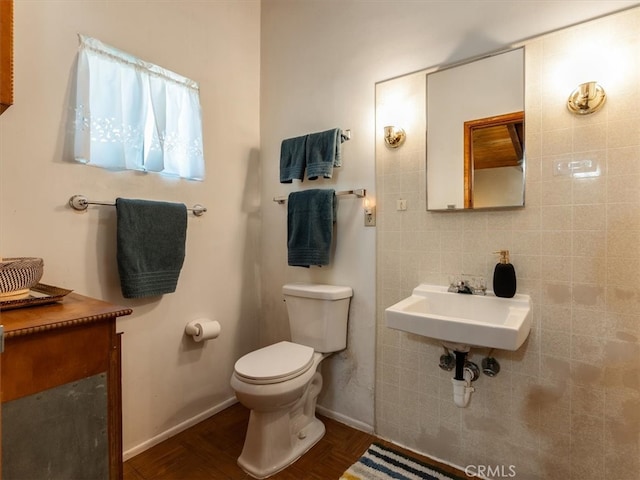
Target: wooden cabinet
6,54
61,391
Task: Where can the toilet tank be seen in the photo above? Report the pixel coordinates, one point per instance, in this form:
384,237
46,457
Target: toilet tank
318,315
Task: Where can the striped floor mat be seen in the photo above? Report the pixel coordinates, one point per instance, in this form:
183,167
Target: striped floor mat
382,463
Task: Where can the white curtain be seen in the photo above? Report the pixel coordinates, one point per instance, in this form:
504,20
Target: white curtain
134,115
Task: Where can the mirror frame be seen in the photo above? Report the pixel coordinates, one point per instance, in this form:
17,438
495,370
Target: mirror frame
469,127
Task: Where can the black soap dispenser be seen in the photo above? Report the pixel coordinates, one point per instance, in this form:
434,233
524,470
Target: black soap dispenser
504,277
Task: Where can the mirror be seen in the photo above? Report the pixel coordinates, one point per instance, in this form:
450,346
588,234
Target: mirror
475,134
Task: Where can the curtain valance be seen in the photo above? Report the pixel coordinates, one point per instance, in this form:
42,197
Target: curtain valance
132,114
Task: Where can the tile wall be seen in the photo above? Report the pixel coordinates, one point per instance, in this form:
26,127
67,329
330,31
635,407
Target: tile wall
566,405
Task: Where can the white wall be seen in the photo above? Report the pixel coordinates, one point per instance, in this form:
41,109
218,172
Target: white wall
485,180
167,378
320,61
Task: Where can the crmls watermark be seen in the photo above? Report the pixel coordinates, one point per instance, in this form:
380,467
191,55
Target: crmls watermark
490,471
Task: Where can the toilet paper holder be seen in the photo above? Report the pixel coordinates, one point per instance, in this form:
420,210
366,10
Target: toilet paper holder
202,329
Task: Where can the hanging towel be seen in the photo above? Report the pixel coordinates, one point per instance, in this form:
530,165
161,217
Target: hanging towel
151,246
342,137
310,218
292,159
324,151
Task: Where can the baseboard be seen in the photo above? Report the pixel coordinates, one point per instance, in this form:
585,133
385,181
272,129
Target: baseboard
432,457
132,452
357,424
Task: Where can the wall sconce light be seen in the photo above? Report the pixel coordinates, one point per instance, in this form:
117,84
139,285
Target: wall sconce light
394,136
587,98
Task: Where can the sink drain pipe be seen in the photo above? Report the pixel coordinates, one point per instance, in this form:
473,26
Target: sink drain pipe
462,388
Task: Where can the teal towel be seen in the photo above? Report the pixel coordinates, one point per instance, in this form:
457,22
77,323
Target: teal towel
323,152
310,218
292,159
151,246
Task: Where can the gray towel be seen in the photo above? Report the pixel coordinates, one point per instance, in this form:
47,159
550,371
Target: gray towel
324,151
151,246
292,159
310,218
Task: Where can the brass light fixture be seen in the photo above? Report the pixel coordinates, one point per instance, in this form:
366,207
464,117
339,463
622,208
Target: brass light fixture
394,136
586,98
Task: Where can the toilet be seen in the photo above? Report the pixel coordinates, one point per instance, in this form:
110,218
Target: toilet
280,383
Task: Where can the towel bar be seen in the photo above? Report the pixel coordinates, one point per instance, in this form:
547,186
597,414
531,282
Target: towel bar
80,203
359,192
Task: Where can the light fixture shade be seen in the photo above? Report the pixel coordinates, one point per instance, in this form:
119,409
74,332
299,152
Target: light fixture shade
587,98
394,136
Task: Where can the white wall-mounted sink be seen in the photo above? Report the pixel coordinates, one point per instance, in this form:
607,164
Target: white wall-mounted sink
456,318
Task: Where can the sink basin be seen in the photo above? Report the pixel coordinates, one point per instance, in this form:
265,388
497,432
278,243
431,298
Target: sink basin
466,320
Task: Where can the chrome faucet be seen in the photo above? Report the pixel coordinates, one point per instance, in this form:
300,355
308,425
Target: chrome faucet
470,286
460,287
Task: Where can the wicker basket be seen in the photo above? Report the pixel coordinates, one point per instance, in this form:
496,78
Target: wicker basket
18,275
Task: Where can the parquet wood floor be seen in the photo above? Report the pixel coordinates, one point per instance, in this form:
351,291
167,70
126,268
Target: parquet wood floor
209,450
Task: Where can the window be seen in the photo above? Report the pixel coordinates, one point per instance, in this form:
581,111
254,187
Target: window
134,115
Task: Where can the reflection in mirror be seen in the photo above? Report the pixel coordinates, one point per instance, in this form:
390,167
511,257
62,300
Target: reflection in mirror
486,88
494,161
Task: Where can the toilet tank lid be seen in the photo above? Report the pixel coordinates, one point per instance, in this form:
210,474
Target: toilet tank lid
316,290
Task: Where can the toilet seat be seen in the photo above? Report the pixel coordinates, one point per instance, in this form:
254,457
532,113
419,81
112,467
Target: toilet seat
274,364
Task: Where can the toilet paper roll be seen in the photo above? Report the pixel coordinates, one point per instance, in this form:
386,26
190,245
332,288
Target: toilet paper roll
203,329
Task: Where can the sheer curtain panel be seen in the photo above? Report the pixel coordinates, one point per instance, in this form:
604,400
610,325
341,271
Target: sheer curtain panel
131,114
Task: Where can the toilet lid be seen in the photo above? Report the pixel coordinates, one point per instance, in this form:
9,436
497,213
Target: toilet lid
276,363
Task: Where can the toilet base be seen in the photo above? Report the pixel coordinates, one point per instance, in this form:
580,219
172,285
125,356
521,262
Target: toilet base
265,455
277,438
